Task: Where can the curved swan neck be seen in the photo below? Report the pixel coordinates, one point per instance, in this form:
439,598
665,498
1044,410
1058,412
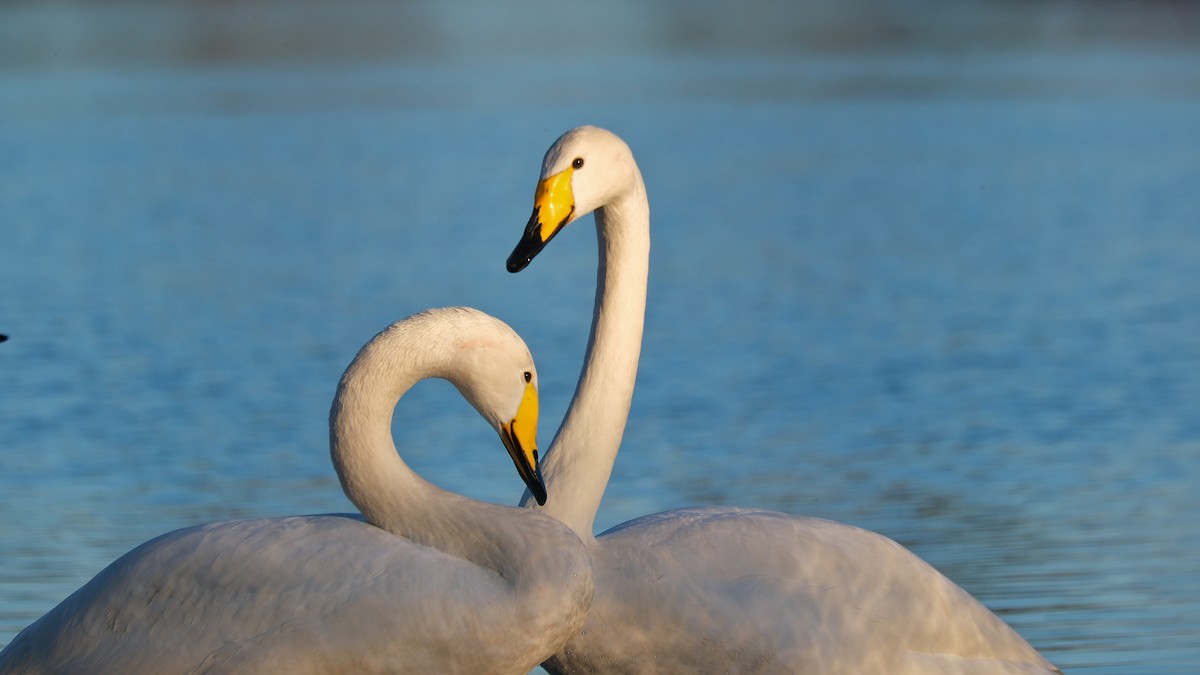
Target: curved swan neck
580,459
383,487
364,455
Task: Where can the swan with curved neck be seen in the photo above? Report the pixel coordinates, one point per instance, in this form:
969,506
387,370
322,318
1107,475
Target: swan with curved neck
430,582
720,589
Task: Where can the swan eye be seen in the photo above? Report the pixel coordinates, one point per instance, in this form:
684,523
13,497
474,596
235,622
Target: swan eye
528,376
577,164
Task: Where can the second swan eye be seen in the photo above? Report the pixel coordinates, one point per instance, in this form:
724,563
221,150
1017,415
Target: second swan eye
578,163
528,376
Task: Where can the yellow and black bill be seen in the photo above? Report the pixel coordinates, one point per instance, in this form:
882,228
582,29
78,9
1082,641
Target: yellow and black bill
520,439
553,207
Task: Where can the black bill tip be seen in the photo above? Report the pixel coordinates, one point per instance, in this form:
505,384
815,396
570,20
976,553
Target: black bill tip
518,261
530,245
538,489
530,472
535,482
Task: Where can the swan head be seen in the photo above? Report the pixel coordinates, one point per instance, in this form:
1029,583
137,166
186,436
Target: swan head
492,368
480,355
584,170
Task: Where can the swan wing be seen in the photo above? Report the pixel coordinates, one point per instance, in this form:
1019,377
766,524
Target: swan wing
296,595
748,589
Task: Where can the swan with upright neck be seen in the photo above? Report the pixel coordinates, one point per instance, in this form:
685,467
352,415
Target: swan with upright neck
430,582
720,589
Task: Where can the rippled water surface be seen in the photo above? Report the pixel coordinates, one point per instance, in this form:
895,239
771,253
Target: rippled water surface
948,294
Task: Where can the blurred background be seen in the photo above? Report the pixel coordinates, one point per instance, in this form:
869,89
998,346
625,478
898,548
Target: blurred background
927,267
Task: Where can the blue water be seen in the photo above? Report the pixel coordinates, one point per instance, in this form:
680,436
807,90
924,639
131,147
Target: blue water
948,294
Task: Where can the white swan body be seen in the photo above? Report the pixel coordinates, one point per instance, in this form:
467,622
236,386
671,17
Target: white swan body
430,582
721,589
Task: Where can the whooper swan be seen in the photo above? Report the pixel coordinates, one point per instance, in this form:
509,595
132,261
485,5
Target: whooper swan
430,582
721,589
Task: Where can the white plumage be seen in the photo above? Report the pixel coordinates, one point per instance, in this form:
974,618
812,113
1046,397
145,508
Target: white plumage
430,582
721,589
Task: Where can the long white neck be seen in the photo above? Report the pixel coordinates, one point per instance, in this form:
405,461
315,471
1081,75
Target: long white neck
544,575
580,459
387,492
